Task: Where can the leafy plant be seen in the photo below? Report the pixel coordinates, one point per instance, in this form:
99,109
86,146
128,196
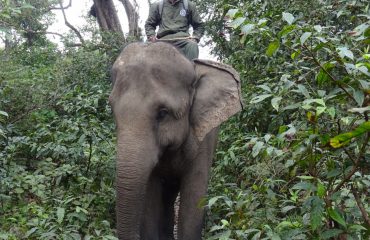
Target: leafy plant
298,153
57,150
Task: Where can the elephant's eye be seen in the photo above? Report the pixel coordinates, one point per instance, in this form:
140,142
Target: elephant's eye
162,113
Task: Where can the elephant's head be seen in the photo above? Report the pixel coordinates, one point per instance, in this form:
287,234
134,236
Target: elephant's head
161,102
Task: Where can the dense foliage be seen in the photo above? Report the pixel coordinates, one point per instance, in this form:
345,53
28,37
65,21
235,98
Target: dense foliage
293,165
57,145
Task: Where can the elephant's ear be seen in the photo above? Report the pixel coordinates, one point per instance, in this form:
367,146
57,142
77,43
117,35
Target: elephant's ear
217,96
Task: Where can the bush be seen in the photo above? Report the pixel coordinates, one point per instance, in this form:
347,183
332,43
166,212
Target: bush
294,164
57,167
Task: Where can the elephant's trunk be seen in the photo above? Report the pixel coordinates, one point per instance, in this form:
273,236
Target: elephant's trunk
137,156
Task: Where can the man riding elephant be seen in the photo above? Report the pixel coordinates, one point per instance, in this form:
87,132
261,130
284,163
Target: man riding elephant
174,18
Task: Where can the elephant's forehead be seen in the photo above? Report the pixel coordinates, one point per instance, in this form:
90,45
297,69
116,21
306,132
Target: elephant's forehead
157,55
151,80
155,73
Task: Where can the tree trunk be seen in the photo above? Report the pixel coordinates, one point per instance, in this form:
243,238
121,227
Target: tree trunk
107,17
133,18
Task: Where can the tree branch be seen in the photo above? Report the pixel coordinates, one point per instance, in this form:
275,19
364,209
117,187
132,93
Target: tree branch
44,32
107,17
355,167
54,33
62,8
70,25
327,72
361,206
132,16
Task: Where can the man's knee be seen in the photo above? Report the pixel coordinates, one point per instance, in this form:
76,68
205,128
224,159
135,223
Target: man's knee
192,50
193,45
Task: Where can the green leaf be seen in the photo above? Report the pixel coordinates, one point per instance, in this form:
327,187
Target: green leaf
364,68
262,22
257,148
302,89
27,6
304,37
213,201
287,208
335,215
331,112
322,77
275,102
225,235
292,106
317,212
360,110
232,12
16,11
314,100
295,54
286,30
359,30
216,228
357,227
264,87
334,173
288,17
320,110
359,96
224,222
237,22
366,56
272,48
30,232
108,237
232,154
246,29
18,190
321,190
5,114
305,177
303,186
251,230
260,98
321,39
328,234
345,52
60,214
80,209
257,236
344,138
318,28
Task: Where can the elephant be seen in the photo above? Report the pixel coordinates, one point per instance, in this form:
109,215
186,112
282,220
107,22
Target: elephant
167,111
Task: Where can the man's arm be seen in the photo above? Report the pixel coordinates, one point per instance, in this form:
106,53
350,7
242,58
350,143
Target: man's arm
196,22
153,20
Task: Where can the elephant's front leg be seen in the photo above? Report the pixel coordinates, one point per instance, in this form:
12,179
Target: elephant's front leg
193,190
150,230
159,212
169,194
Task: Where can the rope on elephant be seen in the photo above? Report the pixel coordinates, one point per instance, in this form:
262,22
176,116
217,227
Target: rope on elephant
175,39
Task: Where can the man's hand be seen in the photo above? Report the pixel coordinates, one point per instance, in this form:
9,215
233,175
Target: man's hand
195,39
152,38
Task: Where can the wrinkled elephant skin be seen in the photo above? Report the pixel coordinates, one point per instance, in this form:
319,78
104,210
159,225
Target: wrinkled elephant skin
167,112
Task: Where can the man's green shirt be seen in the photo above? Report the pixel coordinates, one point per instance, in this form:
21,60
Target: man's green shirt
173,22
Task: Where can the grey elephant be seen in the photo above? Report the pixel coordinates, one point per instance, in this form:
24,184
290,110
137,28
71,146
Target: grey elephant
167,111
